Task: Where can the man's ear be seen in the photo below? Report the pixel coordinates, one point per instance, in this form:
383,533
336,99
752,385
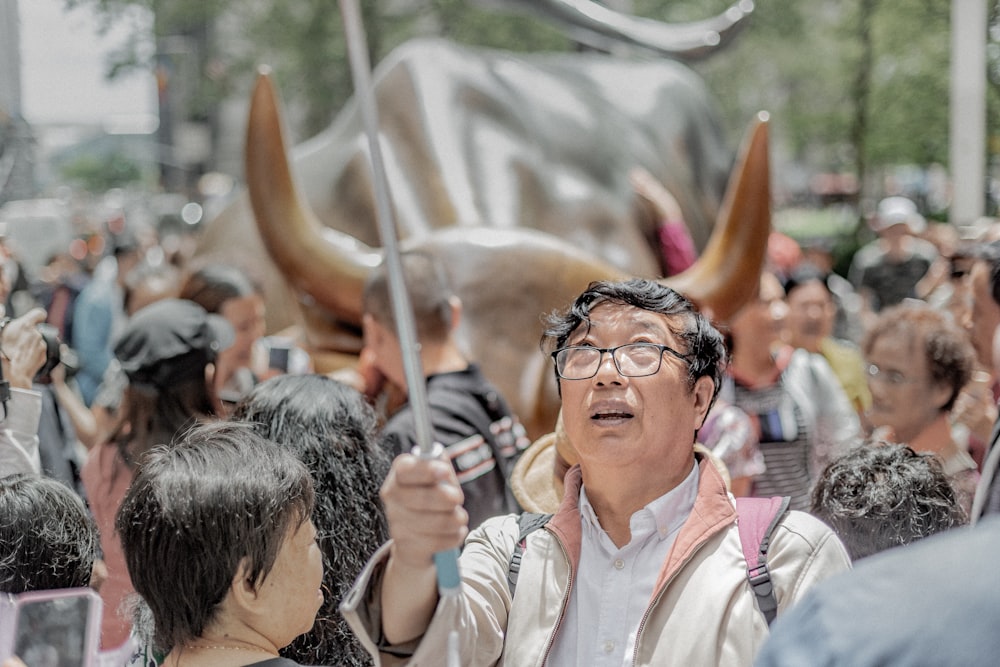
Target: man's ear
369,329
456,311
704,389
940,393
211,372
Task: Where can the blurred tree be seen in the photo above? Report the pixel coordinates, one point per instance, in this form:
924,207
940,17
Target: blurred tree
852,85
100,173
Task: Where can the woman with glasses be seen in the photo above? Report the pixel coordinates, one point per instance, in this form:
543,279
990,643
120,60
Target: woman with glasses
802,417
917,361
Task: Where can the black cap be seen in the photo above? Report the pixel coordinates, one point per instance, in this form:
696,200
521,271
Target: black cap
171,340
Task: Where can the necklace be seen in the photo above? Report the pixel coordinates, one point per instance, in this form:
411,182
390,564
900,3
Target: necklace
219,647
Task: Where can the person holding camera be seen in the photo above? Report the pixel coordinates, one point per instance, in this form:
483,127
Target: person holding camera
23,351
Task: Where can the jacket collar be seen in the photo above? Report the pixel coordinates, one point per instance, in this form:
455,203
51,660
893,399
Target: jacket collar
713,510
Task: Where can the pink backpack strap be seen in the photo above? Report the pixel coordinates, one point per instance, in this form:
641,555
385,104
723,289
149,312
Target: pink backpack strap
756,520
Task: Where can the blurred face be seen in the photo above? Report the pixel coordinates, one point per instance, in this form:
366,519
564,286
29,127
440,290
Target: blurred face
293,586
634,423
760,321
810,315
984,314
246,314
903,396
387,354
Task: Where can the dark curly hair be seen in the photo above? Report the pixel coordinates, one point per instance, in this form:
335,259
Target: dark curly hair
882,495
330,428
946,347
49,540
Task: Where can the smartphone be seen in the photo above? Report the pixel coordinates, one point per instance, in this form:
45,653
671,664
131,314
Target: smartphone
56,628
277,357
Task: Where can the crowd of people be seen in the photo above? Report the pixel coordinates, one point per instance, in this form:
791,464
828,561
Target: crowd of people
230,512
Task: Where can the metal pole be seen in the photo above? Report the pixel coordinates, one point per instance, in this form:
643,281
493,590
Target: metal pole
449,582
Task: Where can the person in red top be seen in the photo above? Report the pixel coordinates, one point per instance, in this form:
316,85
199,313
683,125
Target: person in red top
167,351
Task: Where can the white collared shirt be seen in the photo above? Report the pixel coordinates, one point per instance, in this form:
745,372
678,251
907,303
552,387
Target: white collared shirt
613,586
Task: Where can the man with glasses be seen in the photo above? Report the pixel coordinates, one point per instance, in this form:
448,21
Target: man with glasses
641,565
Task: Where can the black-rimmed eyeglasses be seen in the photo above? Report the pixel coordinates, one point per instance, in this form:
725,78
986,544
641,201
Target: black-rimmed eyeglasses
581,362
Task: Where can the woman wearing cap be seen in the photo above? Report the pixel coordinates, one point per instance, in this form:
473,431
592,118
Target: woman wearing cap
167,351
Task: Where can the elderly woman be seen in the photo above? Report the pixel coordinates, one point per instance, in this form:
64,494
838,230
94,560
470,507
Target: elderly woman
219,543
918,360
331,429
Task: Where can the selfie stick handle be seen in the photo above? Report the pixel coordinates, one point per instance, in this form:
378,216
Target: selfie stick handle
446,562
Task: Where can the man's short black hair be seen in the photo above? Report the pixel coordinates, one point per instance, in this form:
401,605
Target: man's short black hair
882,495
47,538
803,275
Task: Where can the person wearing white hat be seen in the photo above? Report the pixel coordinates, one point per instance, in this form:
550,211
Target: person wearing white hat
887,270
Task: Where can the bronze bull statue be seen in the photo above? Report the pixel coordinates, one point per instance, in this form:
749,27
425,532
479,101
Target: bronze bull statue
514,171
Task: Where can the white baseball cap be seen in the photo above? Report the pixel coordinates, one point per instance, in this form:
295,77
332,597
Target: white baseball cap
898,210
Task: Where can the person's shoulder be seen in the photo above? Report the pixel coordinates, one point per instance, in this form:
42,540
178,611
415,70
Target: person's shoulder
496,535
881,608
804,551
924,249
868,255
804,361
803,526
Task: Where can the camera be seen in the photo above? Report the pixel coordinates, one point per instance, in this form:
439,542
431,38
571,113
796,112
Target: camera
55,352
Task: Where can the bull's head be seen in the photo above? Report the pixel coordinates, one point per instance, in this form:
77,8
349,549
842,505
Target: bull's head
506,278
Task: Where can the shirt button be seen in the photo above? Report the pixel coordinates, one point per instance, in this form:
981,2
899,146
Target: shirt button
609,646
619,564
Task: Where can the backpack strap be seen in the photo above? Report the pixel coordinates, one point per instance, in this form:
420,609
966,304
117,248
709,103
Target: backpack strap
757,519
527,523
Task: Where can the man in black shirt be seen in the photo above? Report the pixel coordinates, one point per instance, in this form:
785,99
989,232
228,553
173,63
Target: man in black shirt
481,436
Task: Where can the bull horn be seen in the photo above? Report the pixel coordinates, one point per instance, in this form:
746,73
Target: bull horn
723,277
601,28
311,257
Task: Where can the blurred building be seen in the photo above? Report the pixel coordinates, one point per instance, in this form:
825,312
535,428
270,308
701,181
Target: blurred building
16,139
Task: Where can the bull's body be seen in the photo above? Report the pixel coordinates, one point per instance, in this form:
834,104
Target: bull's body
512,169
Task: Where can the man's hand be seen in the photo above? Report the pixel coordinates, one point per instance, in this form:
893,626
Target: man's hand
24,349
423,506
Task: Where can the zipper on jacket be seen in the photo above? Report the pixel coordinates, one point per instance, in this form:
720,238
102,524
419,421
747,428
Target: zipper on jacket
565,600
663,589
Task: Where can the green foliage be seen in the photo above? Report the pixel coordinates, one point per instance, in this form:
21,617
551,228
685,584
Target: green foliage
100,173
850,84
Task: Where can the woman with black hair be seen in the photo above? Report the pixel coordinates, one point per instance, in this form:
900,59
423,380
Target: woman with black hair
330,428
